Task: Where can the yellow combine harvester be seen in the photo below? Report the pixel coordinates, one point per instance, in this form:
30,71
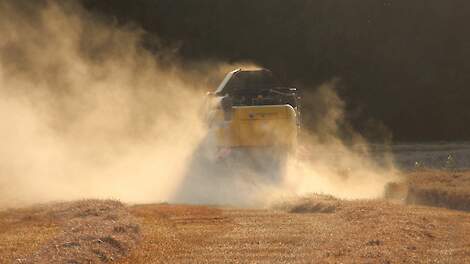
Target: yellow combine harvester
254,119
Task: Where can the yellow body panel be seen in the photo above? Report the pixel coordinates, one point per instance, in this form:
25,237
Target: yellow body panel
258,126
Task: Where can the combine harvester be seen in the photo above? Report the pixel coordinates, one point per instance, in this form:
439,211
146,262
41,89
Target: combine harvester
254,122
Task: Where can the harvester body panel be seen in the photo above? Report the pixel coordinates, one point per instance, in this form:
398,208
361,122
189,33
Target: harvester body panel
258,127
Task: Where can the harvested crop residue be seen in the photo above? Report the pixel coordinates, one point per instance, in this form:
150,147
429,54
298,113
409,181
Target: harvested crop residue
309,204
23,231
449,189
438,188
88,231
355,232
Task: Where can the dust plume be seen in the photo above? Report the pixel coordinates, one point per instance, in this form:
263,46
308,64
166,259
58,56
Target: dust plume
330,159
333,159
86,111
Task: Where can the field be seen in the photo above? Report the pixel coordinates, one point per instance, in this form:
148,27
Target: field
318,229
437,188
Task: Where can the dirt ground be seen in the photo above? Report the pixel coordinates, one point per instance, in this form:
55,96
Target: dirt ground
313,229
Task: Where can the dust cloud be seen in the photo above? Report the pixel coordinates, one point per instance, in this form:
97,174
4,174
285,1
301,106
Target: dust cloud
335,160
87,112
331,159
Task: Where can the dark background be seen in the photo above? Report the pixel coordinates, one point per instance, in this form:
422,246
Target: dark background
402,64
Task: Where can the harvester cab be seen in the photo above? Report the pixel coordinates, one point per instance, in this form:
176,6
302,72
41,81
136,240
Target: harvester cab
254,118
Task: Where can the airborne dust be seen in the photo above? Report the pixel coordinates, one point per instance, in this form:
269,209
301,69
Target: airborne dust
87,112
